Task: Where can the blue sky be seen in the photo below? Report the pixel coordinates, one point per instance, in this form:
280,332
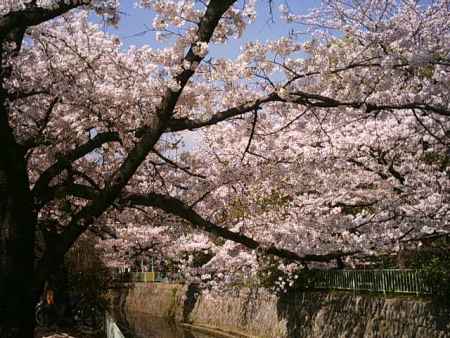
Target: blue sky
135,21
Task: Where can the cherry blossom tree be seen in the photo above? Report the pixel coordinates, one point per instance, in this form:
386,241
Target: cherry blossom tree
348,156
18,217
307,151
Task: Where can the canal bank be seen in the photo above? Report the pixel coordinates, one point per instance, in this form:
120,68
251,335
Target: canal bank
142,325
257,313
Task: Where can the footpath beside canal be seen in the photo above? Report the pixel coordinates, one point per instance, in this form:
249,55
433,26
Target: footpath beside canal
257,313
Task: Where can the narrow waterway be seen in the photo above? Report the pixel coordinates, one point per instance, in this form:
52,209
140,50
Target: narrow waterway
139,325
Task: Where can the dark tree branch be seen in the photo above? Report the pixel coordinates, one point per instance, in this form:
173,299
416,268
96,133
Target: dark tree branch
287,125
427,129
83,176
316,100
18,95
192,124
66,160
365,167
302,98
260,156
395,173
247,148
175,165
201,198
81,221
103,231
176,207
38,139
410,230
62,190
33,15
380,157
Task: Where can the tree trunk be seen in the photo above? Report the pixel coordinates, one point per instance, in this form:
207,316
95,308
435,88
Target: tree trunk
17,216
17,227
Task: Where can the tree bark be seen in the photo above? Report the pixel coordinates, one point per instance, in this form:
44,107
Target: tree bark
19,287
17,211
17,227
17,219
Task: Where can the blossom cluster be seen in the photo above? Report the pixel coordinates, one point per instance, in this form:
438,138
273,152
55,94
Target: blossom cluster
338,143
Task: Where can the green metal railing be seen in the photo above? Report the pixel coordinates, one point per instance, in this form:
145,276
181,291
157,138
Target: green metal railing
386,281
141,277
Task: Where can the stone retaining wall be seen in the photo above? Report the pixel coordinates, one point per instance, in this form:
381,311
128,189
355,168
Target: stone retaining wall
256,313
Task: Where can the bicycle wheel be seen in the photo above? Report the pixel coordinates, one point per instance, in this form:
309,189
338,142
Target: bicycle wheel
45,316
90,318
41,317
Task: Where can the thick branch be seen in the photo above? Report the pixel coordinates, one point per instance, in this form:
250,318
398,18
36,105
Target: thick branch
61,190
176,207
66,160
33,15
192,124
299,97
316,100
150,136
18,95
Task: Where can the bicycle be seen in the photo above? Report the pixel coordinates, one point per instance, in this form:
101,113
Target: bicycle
45,314
86,315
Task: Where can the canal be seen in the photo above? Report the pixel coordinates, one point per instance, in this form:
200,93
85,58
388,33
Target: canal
139,325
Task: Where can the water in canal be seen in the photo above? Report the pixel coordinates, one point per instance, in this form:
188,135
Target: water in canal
138,325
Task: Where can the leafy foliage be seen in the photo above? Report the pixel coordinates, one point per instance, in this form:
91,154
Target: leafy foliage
435,264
